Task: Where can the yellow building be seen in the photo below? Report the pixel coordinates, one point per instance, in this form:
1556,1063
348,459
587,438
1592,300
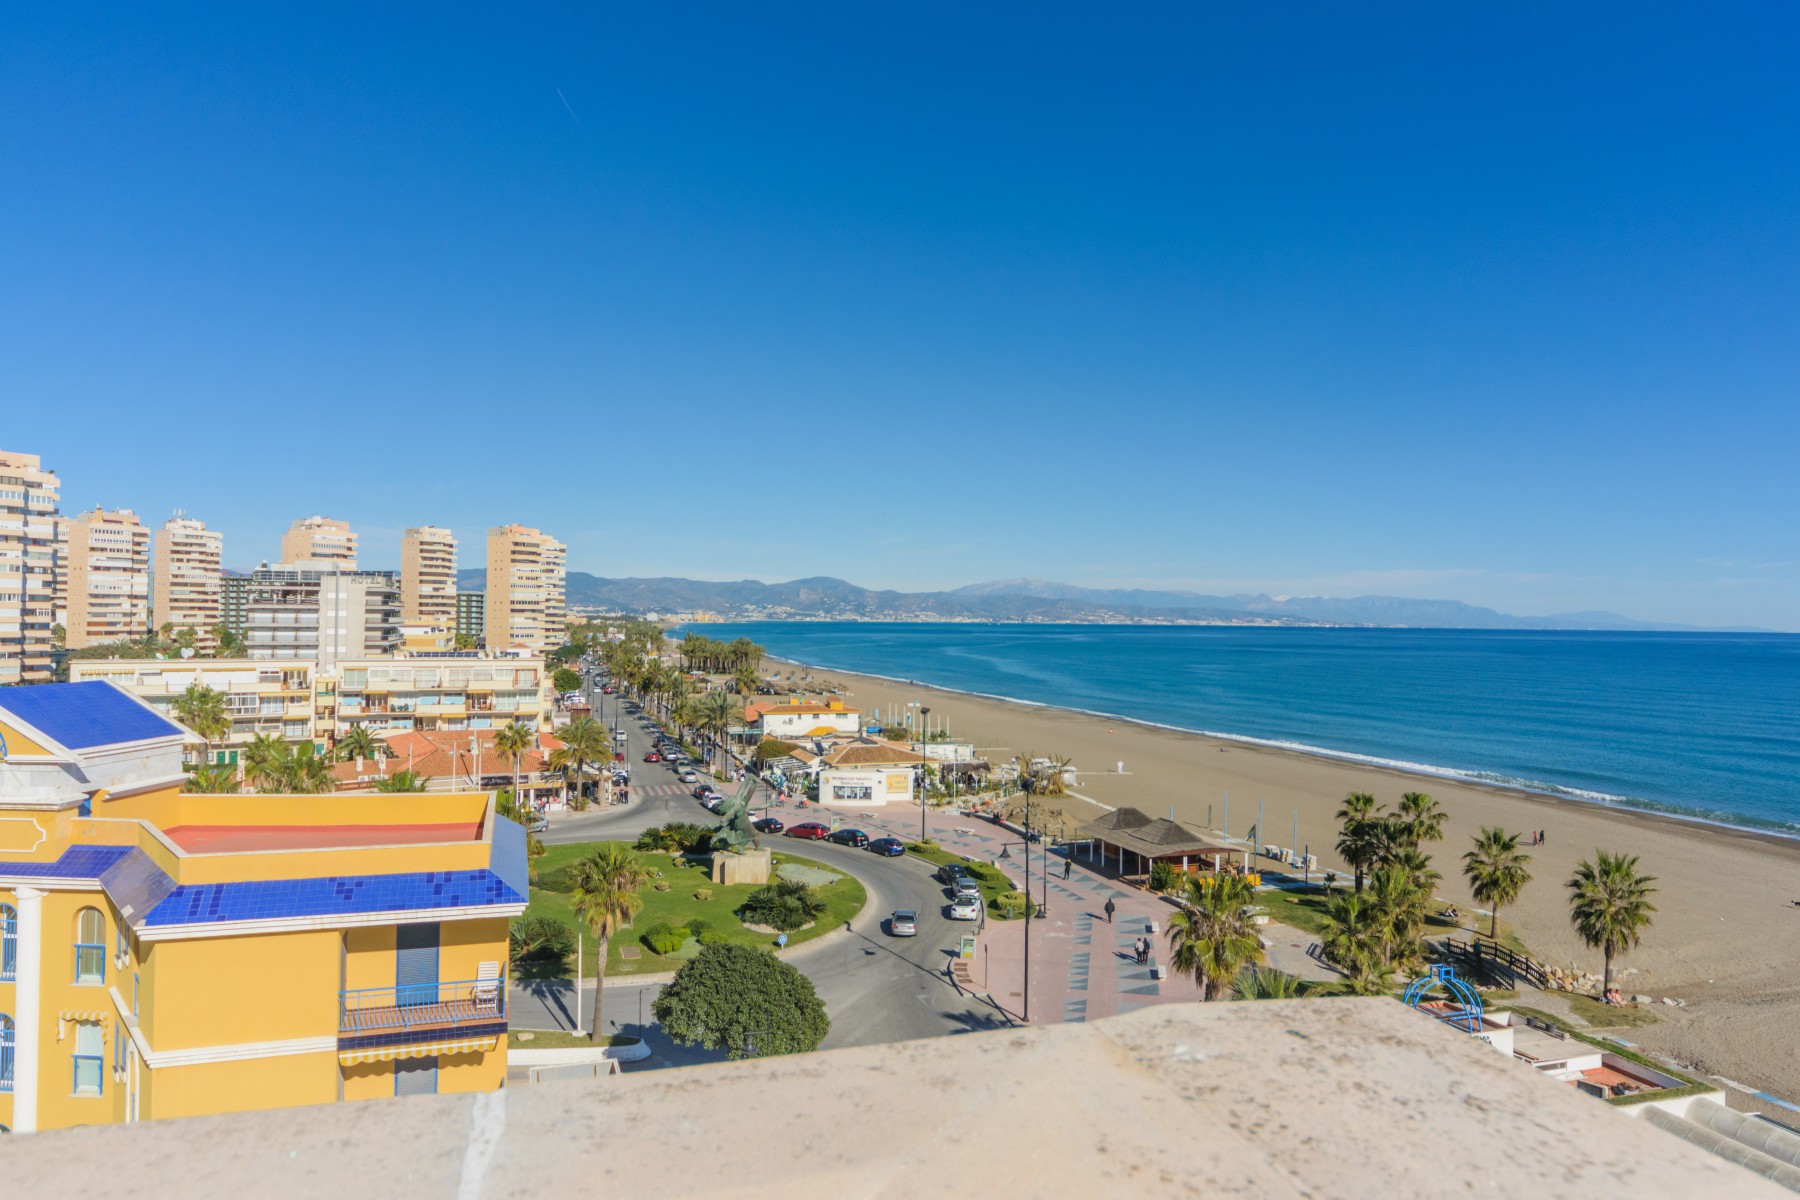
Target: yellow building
319,541
29,543
108,578
168,955
449,692
525,590
187,591
428,577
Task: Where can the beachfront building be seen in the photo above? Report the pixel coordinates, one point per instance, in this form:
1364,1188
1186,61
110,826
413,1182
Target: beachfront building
313,613
319,542
275,699
525,589
796,720
459,761
428,576
852,786
178,955
471,616
186,591
107,578
28,568
451,692
1129,841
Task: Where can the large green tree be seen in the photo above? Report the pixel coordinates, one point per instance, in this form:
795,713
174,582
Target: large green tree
605,896
358,742
1609,904
1360,833
584,742
1211,936
514,740
202,710
744,1001
1496,871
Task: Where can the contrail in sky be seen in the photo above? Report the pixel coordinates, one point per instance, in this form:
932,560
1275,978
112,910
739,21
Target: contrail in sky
565,101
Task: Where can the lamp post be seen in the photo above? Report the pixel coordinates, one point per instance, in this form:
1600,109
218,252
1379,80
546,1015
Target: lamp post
923,713
1026,1009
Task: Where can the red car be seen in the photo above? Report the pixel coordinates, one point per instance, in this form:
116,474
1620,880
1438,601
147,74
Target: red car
812,831
653,756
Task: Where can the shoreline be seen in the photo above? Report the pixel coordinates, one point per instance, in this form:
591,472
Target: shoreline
1600,801
1726,937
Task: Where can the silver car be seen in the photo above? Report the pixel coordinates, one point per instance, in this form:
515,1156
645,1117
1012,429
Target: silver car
903,923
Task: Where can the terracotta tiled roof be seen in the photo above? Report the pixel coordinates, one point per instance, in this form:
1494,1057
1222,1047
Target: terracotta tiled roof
877,754
432,754
808,708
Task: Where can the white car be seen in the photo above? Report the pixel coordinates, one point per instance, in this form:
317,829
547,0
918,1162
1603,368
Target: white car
689,777
965,908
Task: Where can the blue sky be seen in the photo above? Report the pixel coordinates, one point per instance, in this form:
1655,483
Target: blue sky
1498,306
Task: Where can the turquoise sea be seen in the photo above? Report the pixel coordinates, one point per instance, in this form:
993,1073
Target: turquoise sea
1702,725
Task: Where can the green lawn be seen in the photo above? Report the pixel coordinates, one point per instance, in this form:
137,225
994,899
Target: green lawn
562,1039
1306,911
1605,1016
992,879
549,896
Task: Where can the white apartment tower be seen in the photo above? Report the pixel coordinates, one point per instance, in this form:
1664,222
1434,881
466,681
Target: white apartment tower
320,542
187,591
108,577
428,577
28,568
525,590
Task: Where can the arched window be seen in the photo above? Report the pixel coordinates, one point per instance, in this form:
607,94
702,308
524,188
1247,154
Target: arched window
9,942
90,946
6,1053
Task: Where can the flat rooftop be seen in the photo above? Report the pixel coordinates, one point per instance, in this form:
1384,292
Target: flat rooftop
238,839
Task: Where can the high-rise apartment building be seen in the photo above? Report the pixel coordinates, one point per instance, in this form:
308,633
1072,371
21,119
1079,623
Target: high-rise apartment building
556,588
428,577
108,578
28,568
309,613
524,590
234,603
471,616
186,590
319,541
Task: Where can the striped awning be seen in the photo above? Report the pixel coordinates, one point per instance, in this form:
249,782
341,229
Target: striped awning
350,1058
77,1016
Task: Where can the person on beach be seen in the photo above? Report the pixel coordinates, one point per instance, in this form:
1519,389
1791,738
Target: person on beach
1108,910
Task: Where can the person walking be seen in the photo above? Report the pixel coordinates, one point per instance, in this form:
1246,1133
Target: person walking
1068,865
1109,910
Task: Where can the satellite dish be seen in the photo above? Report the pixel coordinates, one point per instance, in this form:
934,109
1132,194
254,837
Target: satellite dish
187,652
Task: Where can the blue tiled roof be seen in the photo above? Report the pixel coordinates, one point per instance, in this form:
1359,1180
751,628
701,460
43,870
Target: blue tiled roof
77,862
507,858
335,895
84,715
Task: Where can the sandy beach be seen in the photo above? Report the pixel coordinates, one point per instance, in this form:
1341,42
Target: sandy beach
1727,933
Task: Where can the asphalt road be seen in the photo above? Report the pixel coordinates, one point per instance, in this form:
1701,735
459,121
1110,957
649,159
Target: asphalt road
876,988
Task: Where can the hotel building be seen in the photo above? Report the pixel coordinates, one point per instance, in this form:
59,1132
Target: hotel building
187,591
453,692
319,541
234,602
471,616
311,613
28,568
277,699
428,577
108,578
525,582
175,955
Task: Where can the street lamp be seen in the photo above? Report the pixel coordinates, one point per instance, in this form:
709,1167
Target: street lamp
923,713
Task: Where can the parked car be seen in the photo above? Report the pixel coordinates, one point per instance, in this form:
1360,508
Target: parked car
891,847
965,908
851,837
966,886
903,923
949,873
653,756
619,756
712,803
690,777
812,831
767,825
700,792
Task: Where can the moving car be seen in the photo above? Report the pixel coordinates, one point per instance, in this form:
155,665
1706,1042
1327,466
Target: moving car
891,847
965,908
904,923
653,756
810,830
690,777
851,837
541,825
767,825
618,735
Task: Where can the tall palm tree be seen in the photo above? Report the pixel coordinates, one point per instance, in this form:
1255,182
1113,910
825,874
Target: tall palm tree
357,742
202,710
584,741
514,740
1401,903
1496,871
1421,817
1352,931
718,712
400,781
605,898
1210,936
1266,983
306,772
264,760
746,677
1609,904
1360,819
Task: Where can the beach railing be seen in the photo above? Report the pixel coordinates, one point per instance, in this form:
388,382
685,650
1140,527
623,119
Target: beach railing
1481,952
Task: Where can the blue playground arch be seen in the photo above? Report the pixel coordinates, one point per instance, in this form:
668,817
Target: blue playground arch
1466,1015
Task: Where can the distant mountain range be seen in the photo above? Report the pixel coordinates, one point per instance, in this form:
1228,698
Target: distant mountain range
1036,600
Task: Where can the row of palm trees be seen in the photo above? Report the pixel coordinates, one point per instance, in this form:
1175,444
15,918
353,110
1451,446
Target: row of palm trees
701,653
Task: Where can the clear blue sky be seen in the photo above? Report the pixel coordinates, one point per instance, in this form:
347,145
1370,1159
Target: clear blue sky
1499,306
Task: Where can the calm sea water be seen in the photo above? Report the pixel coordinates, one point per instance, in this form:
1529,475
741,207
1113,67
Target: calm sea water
1703,725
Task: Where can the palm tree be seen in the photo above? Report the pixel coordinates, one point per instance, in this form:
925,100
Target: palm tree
605,898
306,771
1359,842
1401,903
1210,936
746,677
211,781
264,759
202,710
1352,931
718,712
1266,983
1609,904
400,781
514,740
583,741
1496,871
357,742
1421,817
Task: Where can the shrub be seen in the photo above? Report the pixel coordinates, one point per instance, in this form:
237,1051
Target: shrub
698,926
703,893
1162,877
662,939
662,885
742,1001
783,904
1011,903
771,748
928,846
712,937
540,939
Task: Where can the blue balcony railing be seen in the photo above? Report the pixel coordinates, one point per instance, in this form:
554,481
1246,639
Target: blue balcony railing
421,1006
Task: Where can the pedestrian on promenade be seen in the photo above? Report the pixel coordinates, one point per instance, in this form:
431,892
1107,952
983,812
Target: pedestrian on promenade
1068,865
1109,910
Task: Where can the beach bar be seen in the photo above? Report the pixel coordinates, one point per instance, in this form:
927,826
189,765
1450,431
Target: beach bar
1129,841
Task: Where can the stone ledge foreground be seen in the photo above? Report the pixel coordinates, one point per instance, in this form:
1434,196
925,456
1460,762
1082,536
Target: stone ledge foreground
1339,1098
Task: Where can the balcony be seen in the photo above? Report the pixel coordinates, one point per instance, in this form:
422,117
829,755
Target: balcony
421,1008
